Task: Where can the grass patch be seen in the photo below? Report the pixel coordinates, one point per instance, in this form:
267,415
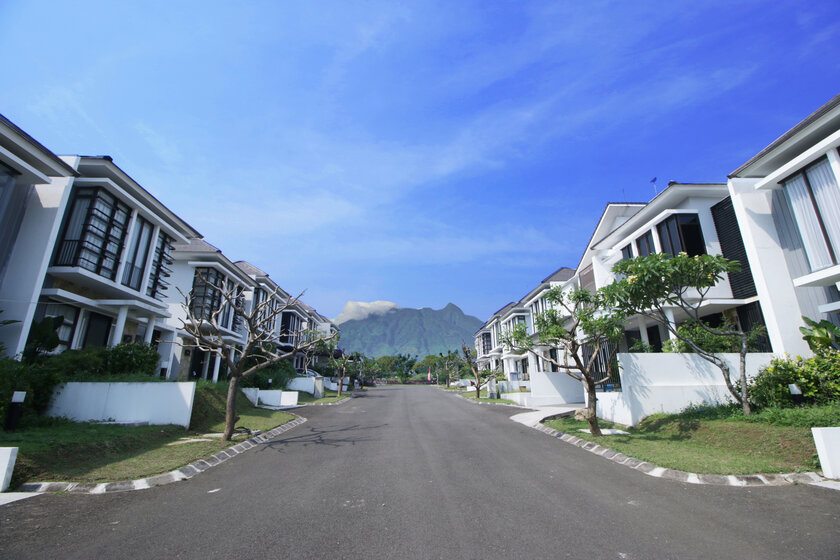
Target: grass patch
471,395
329,397
61,450
720,440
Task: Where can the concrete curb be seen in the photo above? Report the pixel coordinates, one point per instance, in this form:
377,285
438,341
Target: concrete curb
184,473
682,476
473,401
350,397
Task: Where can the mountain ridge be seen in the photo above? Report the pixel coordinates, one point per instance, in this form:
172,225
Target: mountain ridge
405,330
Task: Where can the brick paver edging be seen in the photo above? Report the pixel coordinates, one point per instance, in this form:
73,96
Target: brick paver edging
681,476
177,475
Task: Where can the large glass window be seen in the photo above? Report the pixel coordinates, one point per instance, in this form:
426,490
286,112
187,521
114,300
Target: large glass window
682,233
208,284
815,199
138,254
94,233
644,245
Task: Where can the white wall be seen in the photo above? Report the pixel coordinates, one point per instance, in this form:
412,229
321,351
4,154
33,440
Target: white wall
29,260
155,403
668,383
554,388
305,384
769,267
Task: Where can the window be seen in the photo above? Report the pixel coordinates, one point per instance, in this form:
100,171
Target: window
138,254
681,233
644,245
94,233
206,292
626,253
160,267
815,199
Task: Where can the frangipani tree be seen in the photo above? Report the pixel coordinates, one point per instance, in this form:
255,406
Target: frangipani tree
256,352
580,325
658,285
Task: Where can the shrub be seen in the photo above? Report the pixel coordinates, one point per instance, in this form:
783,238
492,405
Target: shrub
132,358
817,377
714,343
38,382
101,363
279,373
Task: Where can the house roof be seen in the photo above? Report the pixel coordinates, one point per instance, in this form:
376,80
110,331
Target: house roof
198,246
43,159
821,122
560,275
250,269
668,198
630,208
95,167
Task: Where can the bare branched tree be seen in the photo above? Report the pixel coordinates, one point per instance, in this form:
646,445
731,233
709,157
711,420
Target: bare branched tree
207,320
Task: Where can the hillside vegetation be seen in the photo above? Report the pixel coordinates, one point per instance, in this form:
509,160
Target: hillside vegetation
410,331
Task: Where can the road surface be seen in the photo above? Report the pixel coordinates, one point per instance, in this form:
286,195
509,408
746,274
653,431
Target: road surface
414,472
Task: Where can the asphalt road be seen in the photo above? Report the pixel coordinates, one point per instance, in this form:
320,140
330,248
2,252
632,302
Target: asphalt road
413,472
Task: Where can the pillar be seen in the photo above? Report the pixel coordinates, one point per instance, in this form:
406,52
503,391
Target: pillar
119,326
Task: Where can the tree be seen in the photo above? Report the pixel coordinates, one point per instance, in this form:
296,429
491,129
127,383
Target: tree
402,366
450,363
257,352
658,285
478,373
582,327
340,360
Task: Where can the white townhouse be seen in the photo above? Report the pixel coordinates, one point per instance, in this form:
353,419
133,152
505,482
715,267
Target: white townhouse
787,202
696,219
201,272
488,341
536,304
293,324
95,249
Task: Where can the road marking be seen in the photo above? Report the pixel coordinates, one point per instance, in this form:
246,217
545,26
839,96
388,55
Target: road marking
213,491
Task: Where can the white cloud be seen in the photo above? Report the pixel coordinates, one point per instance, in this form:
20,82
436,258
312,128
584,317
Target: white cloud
362,310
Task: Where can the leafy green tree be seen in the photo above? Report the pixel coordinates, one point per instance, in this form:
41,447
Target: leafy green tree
451,363
657,285
403,365
821,337
577,320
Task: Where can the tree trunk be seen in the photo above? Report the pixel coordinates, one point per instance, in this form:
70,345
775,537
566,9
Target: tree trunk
478,389
592,408
340,379
230,407
745,401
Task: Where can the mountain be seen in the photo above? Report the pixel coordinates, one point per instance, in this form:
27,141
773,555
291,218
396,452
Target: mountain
401,330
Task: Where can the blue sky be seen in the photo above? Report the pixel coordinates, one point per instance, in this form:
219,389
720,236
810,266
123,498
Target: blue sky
420,152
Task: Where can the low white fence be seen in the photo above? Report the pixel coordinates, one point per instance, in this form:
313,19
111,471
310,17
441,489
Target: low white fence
152,403
305,384
653,383
271,397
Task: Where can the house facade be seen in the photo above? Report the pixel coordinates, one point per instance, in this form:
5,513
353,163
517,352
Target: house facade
95,250
778,215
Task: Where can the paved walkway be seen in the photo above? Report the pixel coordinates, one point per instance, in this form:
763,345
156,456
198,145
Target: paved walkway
532,419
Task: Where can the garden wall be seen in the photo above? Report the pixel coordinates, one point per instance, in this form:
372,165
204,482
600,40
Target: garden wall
153,403
653,383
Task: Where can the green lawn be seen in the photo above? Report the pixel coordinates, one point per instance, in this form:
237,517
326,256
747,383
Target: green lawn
60,450
719,440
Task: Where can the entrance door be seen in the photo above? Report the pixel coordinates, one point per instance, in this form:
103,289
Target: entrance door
98,330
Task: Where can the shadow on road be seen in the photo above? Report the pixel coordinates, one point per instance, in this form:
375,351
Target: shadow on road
329,436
